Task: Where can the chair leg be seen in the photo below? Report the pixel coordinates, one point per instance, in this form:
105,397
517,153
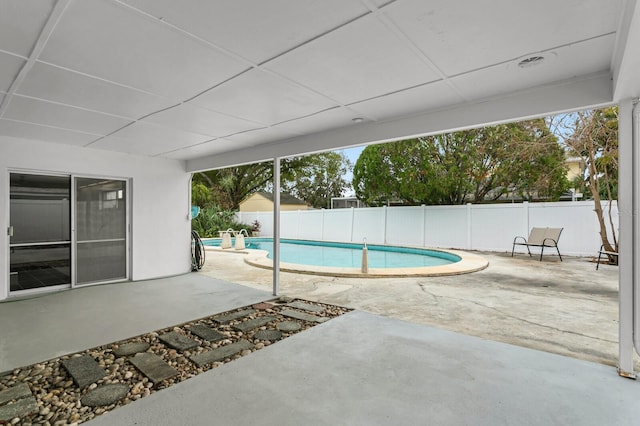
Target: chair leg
598,262
559,255
541,252
513,249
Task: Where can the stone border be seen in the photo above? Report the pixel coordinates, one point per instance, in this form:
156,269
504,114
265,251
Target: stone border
57,399
469,262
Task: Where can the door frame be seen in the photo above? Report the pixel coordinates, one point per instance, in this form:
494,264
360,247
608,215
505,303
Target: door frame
73,237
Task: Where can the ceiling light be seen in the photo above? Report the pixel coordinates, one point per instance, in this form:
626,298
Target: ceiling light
357,120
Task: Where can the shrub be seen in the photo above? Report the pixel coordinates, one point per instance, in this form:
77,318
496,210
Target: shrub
212,219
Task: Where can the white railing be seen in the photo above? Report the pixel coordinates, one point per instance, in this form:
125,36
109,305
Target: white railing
488,227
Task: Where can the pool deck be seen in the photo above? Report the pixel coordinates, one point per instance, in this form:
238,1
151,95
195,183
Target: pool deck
567,308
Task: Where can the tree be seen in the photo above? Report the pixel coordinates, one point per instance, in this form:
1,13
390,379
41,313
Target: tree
313,178
594,137
517,159
319,178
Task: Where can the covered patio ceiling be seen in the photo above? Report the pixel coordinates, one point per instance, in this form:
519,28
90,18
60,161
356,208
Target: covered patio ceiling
217,83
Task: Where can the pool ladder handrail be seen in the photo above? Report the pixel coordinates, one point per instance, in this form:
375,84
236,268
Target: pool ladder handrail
364,268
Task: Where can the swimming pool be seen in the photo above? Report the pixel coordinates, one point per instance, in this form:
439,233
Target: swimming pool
345,259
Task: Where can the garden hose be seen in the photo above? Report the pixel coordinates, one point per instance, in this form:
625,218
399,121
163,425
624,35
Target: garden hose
197,252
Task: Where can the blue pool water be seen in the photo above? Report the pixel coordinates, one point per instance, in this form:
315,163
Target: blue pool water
345,255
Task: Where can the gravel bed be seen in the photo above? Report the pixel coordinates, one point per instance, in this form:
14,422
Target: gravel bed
59,398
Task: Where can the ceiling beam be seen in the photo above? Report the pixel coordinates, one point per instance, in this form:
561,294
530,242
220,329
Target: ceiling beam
586,92
626,61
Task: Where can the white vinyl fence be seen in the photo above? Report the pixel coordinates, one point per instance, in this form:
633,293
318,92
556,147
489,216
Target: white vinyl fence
489,227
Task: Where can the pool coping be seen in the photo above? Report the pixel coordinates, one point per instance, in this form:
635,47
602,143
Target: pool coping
469,262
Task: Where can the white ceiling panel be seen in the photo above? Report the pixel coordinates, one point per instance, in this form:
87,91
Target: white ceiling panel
325,120
584,58
256,30
457,40
153,139
21,22
62,86
113,143
423,98
47,113
203,149
9,68
381,3
264,98
355,62
47,134
256,137
163,61
200,120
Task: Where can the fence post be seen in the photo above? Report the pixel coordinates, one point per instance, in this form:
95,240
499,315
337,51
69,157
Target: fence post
423,240
469,230
353,218
525,211
322,226
384,237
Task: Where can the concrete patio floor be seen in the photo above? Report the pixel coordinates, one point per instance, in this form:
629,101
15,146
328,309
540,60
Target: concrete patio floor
361,368
567,308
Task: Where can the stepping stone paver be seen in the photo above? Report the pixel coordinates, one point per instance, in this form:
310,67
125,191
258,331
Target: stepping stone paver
16,392
262,306
152,366
20,408
221,353
305,307
17,401
234,316
207,333
84,370
131,348
267,335
302,316
288,326
178,341
105,395
253,323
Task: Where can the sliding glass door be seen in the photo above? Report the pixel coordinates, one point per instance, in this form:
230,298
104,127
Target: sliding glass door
101,230
66,231
39,232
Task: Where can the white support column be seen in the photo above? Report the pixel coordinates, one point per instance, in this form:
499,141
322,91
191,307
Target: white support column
628,241
276,226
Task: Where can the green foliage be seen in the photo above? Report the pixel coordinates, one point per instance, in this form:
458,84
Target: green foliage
200,194
213,219
318,178
312,178
521,160
594,138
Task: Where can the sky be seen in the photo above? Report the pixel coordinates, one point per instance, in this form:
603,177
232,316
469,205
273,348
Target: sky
352,154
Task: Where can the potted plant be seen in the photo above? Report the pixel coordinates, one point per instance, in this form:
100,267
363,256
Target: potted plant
255,228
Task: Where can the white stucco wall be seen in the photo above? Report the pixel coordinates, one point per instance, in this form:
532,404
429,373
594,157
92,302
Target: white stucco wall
159,200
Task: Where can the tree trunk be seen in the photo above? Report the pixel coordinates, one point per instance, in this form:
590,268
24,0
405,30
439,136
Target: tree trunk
595,191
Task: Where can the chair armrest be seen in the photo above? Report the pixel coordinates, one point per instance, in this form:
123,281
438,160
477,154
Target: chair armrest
524,240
